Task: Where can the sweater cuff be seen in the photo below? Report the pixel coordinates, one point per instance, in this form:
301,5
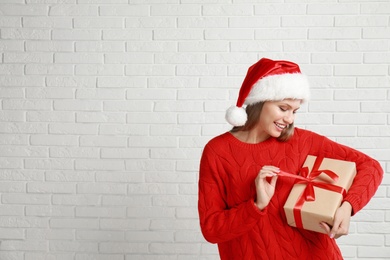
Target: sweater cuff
255,211
354,201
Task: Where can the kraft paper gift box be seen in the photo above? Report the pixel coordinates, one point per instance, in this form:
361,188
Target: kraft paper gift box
326,202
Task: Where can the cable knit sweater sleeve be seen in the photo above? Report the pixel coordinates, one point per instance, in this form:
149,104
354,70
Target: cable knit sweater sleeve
219,222
369,173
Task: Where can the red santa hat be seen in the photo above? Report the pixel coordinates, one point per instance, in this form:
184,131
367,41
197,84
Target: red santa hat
268,80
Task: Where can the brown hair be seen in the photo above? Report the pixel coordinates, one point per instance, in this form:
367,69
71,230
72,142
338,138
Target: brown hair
253,111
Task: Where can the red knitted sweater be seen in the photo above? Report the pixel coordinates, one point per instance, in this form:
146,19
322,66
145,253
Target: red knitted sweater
227,212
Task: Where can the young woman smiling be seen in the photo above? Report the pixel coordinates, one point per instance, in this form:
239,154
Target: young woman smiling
241,197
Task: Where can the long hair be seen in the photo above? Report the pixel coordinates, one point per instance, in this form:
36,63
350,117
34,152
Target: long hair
253,112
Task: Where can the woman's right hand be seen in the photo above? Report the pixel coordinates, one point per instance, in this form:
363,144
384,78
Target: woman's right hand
265,189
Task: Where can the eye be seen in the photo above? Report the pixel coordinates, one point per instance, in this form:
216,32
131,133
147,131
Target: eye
283,109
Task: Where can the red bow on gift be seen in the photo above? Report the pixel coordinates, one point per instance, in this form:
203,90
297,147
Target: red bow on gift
309,178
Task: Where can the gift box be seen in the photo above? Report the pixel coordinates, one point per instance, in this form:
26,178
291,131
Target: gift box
318,192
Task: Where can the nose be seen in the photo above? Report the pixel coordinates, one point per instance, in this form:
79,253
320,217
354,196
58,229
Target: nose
289,118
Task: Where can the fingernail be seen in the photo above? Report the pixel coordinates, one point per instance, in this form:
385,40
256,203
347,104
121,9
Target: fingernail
331,235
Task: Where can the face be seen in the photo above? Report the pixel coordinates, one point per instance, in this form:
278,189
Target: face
276,116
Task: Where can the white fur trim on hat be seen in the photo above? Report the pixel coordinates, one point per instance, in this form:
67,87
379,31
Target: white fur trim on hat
236,116
279,87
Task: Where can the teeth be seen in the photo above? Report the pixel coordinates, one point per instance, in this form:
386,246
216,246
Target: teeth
280,126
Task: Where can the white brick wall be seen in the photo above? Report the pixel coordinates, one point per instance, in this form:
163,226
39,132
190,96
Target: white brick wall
106,106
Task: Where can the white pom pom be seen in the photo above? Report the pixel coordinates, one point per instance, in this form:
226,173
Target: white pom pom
236,116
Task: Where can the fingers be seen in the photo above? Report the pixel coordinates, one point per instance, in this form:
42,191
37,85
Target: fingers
268,171
336,231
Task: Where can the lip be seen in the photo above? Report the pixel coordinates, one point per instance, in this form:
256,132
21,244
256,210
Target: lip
280,127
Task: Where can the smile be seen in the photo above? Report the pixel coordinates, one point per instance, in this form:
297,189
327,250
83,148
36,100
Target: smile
280,126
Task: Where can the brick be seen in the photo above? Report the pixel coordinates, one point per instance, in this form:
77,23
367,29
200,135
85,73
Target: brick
98,22
72,129
99,165
137,105
155,70
127,35
174,248
101,188
49,93
58,256
35,57
99,69
126,58
25,34
309,46
334,33
10,21
73,10
151,212
149,236
360,70
71,81
54,140
360,119
124,153
284,33
333,9
369,252
99,46
23,151
376,33
229,34
151,117
78,58
280,9
360,21
12,116
121,82
76,199
176,34
307,21
11,69
47,22
24,128
119,177
101,212
48,164
149,165
152,22
152,188
149,46
124,10
24,245
200,70
375,8
201,22
361,46
100,235
181,58
25,10
49,46
13,139
74,152
360,94
50,116
69,176
124,248
337,58
49,211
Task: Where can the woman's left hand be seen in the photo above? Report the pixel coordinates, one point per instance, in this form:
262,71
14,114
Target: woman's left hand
341,223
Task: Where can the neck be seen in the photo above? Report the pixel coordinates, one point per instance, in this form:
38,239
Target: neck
251,137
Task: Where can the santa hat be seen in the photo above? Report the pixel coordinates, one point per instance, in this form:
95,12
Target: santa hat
268,80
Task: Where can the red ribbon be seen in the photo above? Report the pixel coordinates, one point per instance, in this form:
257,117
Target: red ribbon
308,194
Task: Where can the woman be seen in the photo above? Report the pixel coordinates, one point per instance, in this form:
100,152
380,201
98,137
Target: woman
241,197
